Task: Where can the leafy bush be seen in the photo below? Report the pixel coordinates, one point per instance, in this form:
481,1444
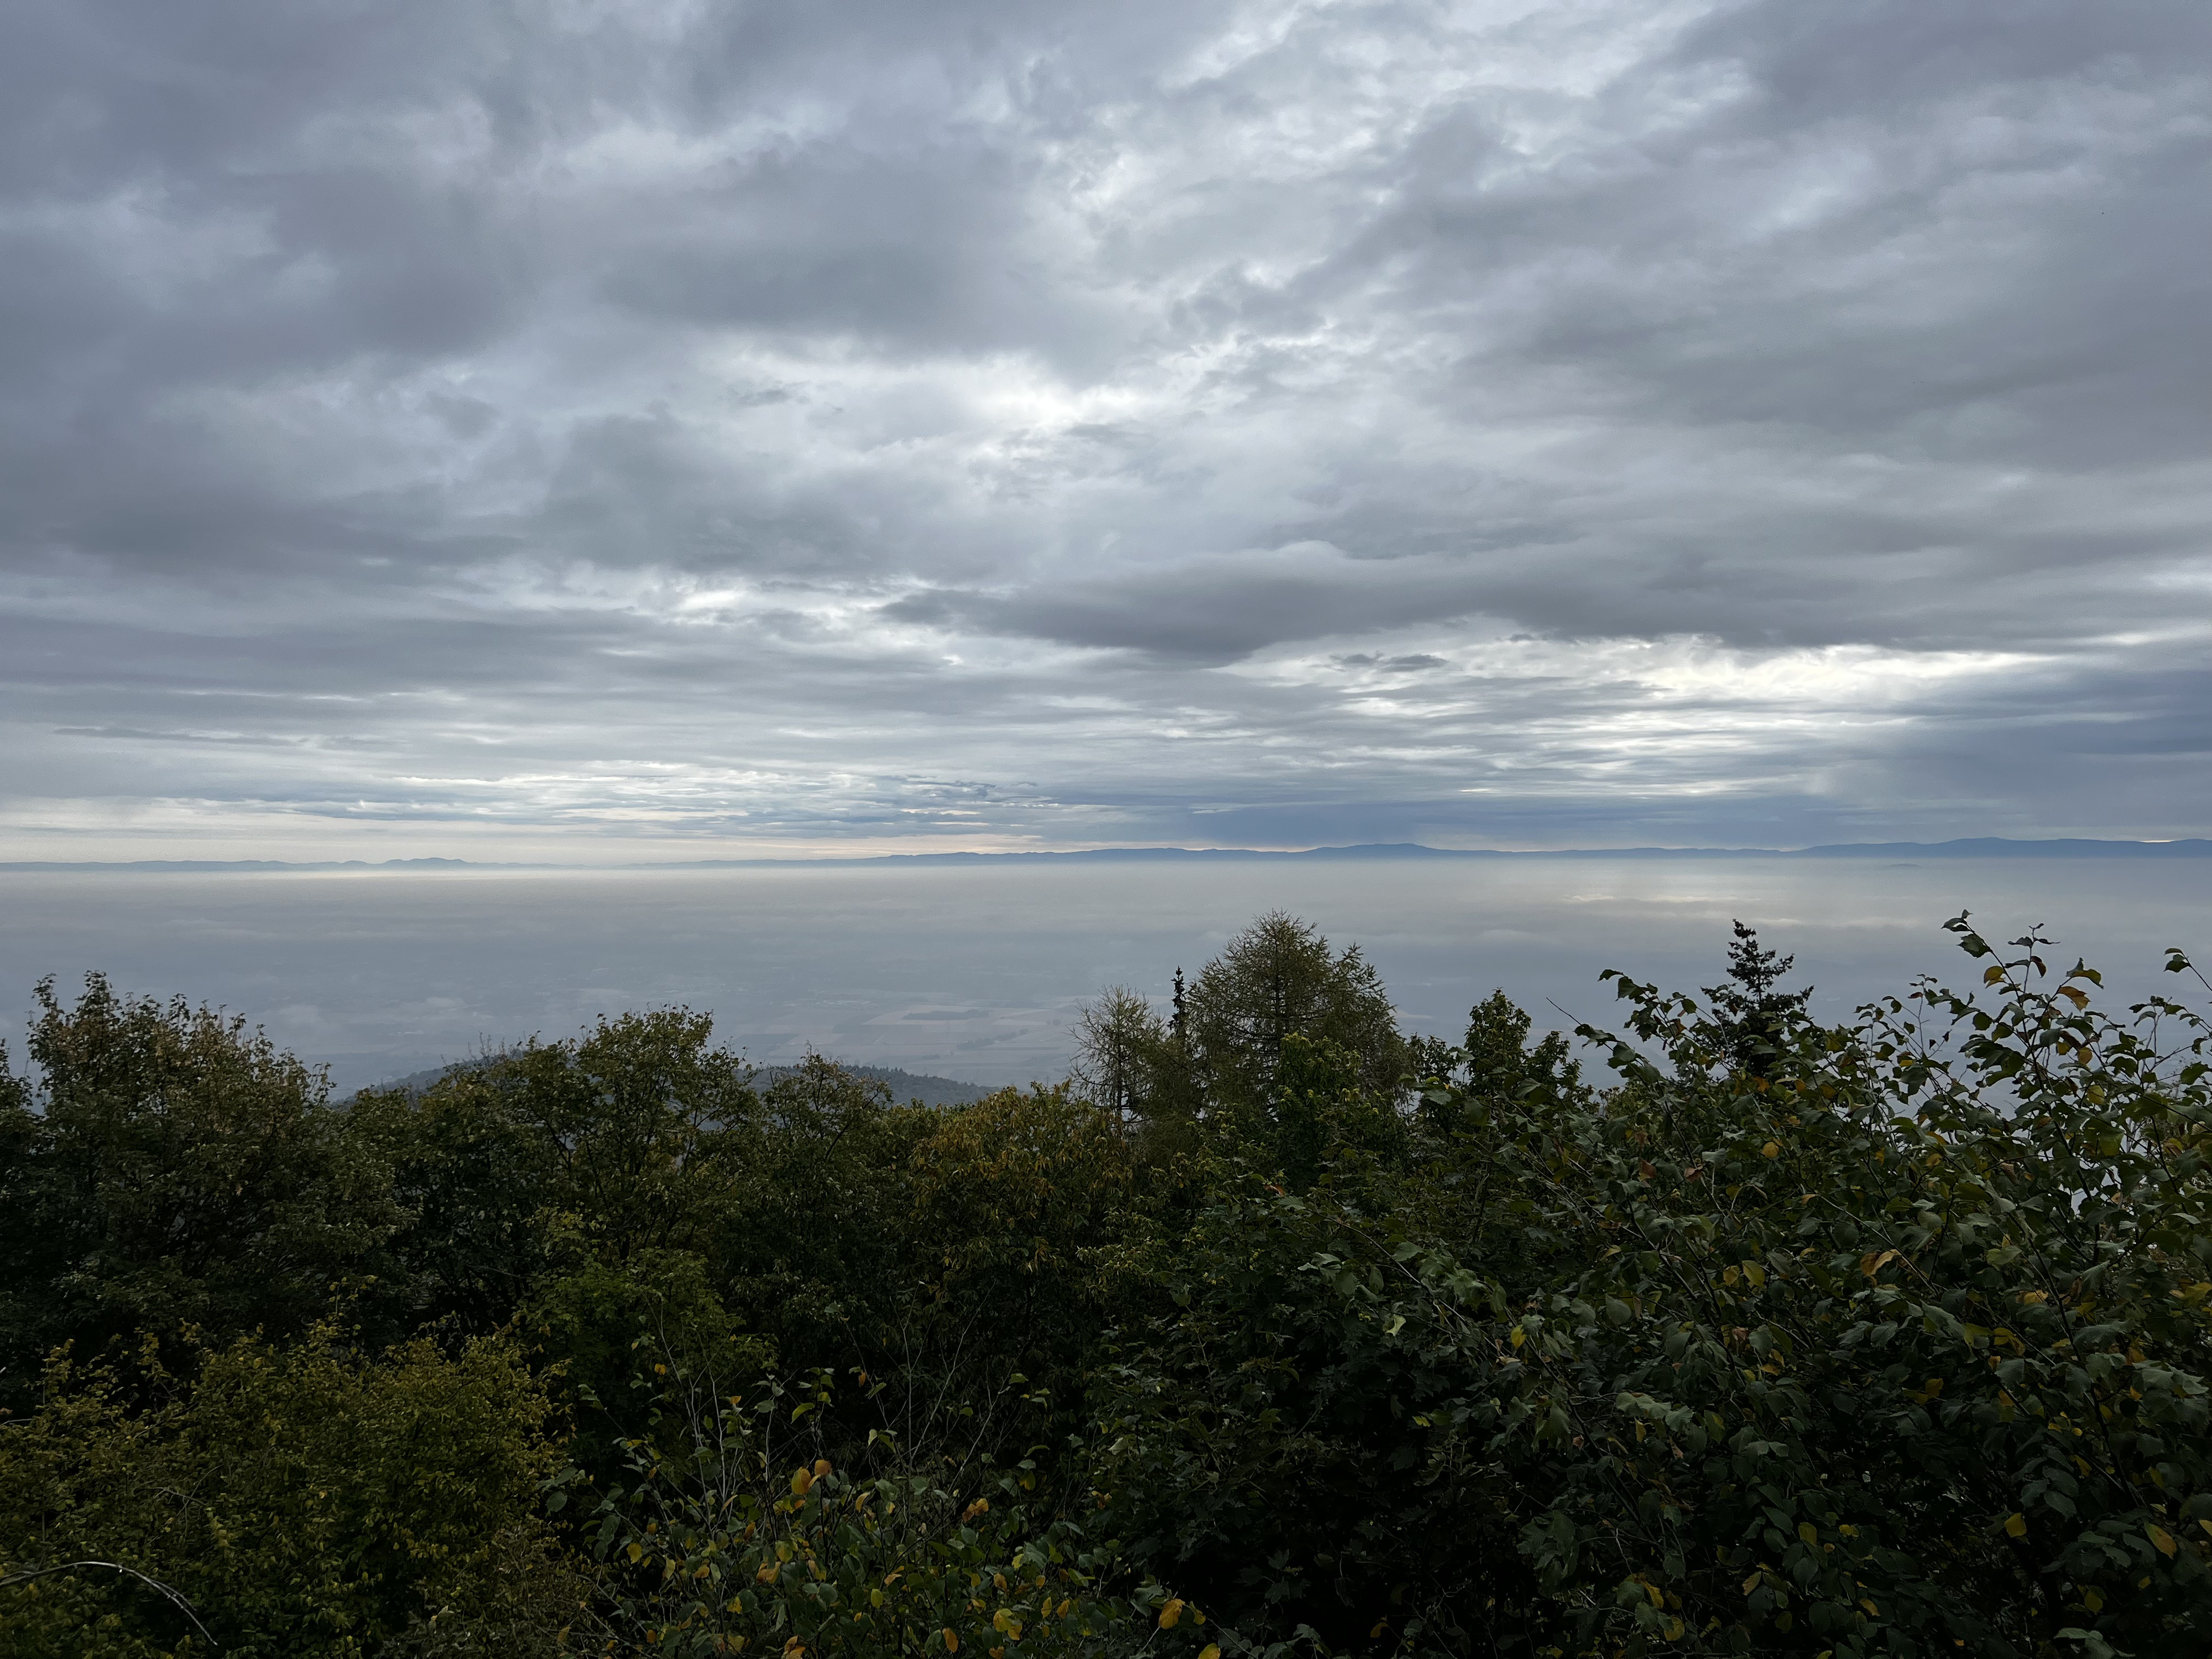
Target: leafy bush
172,1167
308,1500
728,1537
1898,1346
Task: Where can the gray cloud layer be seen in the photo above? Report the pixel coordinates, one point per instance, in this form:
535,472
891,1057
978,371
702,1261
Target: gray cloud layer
452,426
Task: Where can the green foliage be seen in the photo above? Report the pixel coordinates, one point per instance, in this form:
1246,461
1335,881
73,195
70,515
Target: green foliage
1265,1441
1124,1055
1319,1114
476,1189
631,1127
588,1319
812,1235
1751,1016
623,1142
733,1532
1890,1338
1496,1067
1276,979
178,1169
1015,1199
1900,1347
308,1500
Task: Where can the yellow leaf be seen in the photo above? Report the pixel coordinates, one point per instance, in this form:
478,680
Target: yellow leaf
1755,1274
1171,1613
1772,1148
637,1551
2017,1526
2162,1538
952,1642
1674,1628
821,1467
1751,1583
2093,1599
1808,1532
800,1482
767,1573
1518,1337
1211,1650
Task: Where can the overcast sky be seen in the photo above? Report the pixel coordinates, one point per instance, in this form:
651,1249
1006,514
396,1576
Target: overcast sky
607,430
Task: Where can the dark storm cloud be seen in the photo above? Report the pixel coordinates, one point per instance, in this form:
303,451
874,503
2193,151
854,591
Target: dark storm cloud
1083,423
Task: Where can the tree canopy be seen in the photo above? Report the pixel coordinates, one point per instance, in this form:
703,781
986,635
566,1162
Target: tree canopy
1274,1330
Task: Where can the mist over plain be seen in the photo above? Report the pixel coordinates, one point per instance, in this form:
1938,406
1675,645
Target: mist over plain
978,972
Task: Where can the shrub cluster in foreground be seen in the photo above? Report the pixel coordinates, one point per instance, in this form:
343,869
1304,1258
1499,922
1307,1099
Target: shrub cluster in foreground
1272,1331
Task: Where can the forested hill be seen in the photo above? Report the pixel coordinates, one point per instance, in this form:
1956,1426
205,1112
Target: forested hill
1272,1332
908,1088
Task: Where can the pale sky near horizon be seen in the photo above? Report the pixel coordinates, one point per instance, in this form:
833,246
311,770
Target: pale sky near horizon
572,428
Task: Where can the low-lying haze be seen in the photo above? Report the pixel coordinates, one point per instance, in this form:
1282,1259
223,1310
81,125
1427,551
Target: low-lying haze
441,427
978,972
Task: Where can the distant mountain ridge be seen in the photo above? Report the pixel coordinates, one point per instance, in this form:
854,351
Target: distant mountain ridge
1978,847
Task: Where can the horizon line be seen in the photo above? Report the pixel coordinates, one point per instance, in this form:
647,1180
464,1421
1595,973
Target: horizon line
1962,846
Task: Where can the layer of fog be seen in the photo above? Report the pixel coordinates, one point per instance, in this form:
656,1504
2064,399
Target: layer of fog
977,973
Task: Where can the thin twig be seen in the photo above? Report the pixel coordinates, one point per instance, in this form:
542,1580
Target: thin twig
182,1605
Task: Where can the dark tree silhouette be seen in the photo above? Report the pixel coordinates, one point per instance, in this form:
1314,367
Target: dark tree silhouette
1753,1015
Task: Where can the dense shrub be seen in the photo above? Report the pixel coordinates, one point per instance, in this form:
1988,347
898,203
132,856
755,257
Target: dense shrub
1900,1345
178,1168
730,1528
306,1500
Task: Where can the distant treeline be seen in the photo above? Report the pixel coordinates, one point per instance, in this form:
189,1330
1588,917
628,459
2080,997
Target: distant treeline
1270,1331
